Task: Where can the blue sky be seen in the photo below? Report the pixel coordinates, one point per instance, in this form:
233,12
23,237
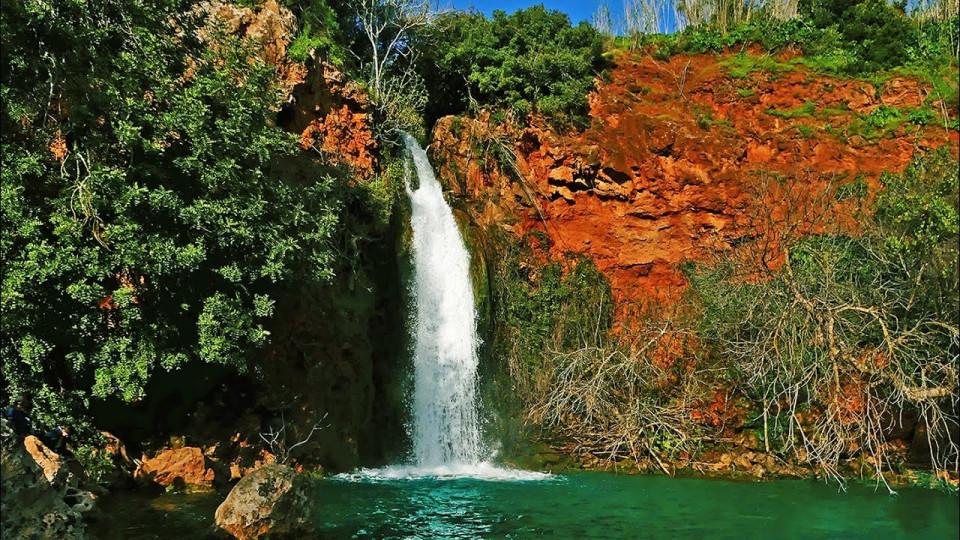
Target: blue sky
578,10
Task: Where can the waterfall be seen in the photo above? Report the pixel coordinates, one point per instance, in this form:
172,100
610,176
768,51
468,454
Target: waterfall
445,430
445,427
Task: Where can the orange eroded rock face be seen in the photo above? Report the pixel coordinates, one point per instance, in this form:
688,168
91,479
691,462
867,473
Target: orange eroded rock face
332,116
185,466
343,137
672,161
271,25
328,111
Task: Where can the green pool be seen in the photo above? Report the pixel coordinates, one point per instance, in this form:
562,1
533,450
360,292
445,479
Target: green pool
578,505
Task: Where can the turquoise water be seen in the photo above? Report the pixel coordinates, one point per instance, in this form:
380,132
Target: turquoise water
599,505
585,505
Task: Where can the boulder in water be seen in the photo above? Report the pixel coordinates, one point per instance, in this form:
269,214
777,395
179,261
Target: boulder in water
273,500
183,468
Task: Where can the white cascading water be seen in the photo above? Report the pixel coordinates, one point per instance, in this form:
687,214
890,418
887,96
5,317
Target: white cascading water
447,442
446,429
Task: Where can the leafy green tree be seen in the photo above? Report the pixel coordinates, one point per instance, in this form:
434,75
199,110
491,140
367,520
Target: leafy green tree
533,59
146,219
320,29
878,34
917,217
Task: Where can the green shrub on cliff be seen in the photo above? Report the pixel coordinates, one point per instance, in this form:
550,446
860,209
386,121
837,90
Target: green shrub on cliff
877,33
917,217
838,36
319,30
531,60
147,221
542,305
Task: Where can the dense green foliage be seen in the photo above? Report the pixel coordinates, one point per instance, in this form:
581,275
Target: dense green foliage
846,36
145,222
320,30
877,34
917,218
531,60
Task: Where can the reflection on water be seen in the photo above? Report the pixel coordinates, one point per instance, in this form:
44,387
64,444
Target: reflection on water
581,505
447,511
141,515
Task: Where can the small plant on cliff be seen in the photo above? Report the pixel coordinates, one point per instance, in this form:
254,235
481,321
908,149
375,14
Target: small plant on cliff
884,117
743,65
922,116
703,117
804,111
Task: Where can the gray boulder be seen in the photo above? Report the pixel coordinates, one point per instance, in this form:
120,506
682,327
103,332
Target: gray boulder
33,496
273,500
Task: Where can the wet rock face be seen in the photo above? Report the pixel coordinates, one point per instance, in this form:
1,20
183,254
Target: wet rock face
273,500
667,170
31,506
182,468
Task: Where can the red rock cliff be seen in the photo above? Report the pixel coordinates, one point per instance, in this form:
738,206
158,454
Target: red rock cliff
672,157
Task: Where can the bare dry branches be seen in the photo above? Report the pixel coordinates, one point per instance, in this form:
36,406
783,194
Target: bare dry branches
821,323
395,86
616,401
276,439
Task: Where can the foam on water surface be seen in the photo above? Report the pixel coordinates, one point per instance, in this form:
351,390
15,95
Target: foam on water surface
474,471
